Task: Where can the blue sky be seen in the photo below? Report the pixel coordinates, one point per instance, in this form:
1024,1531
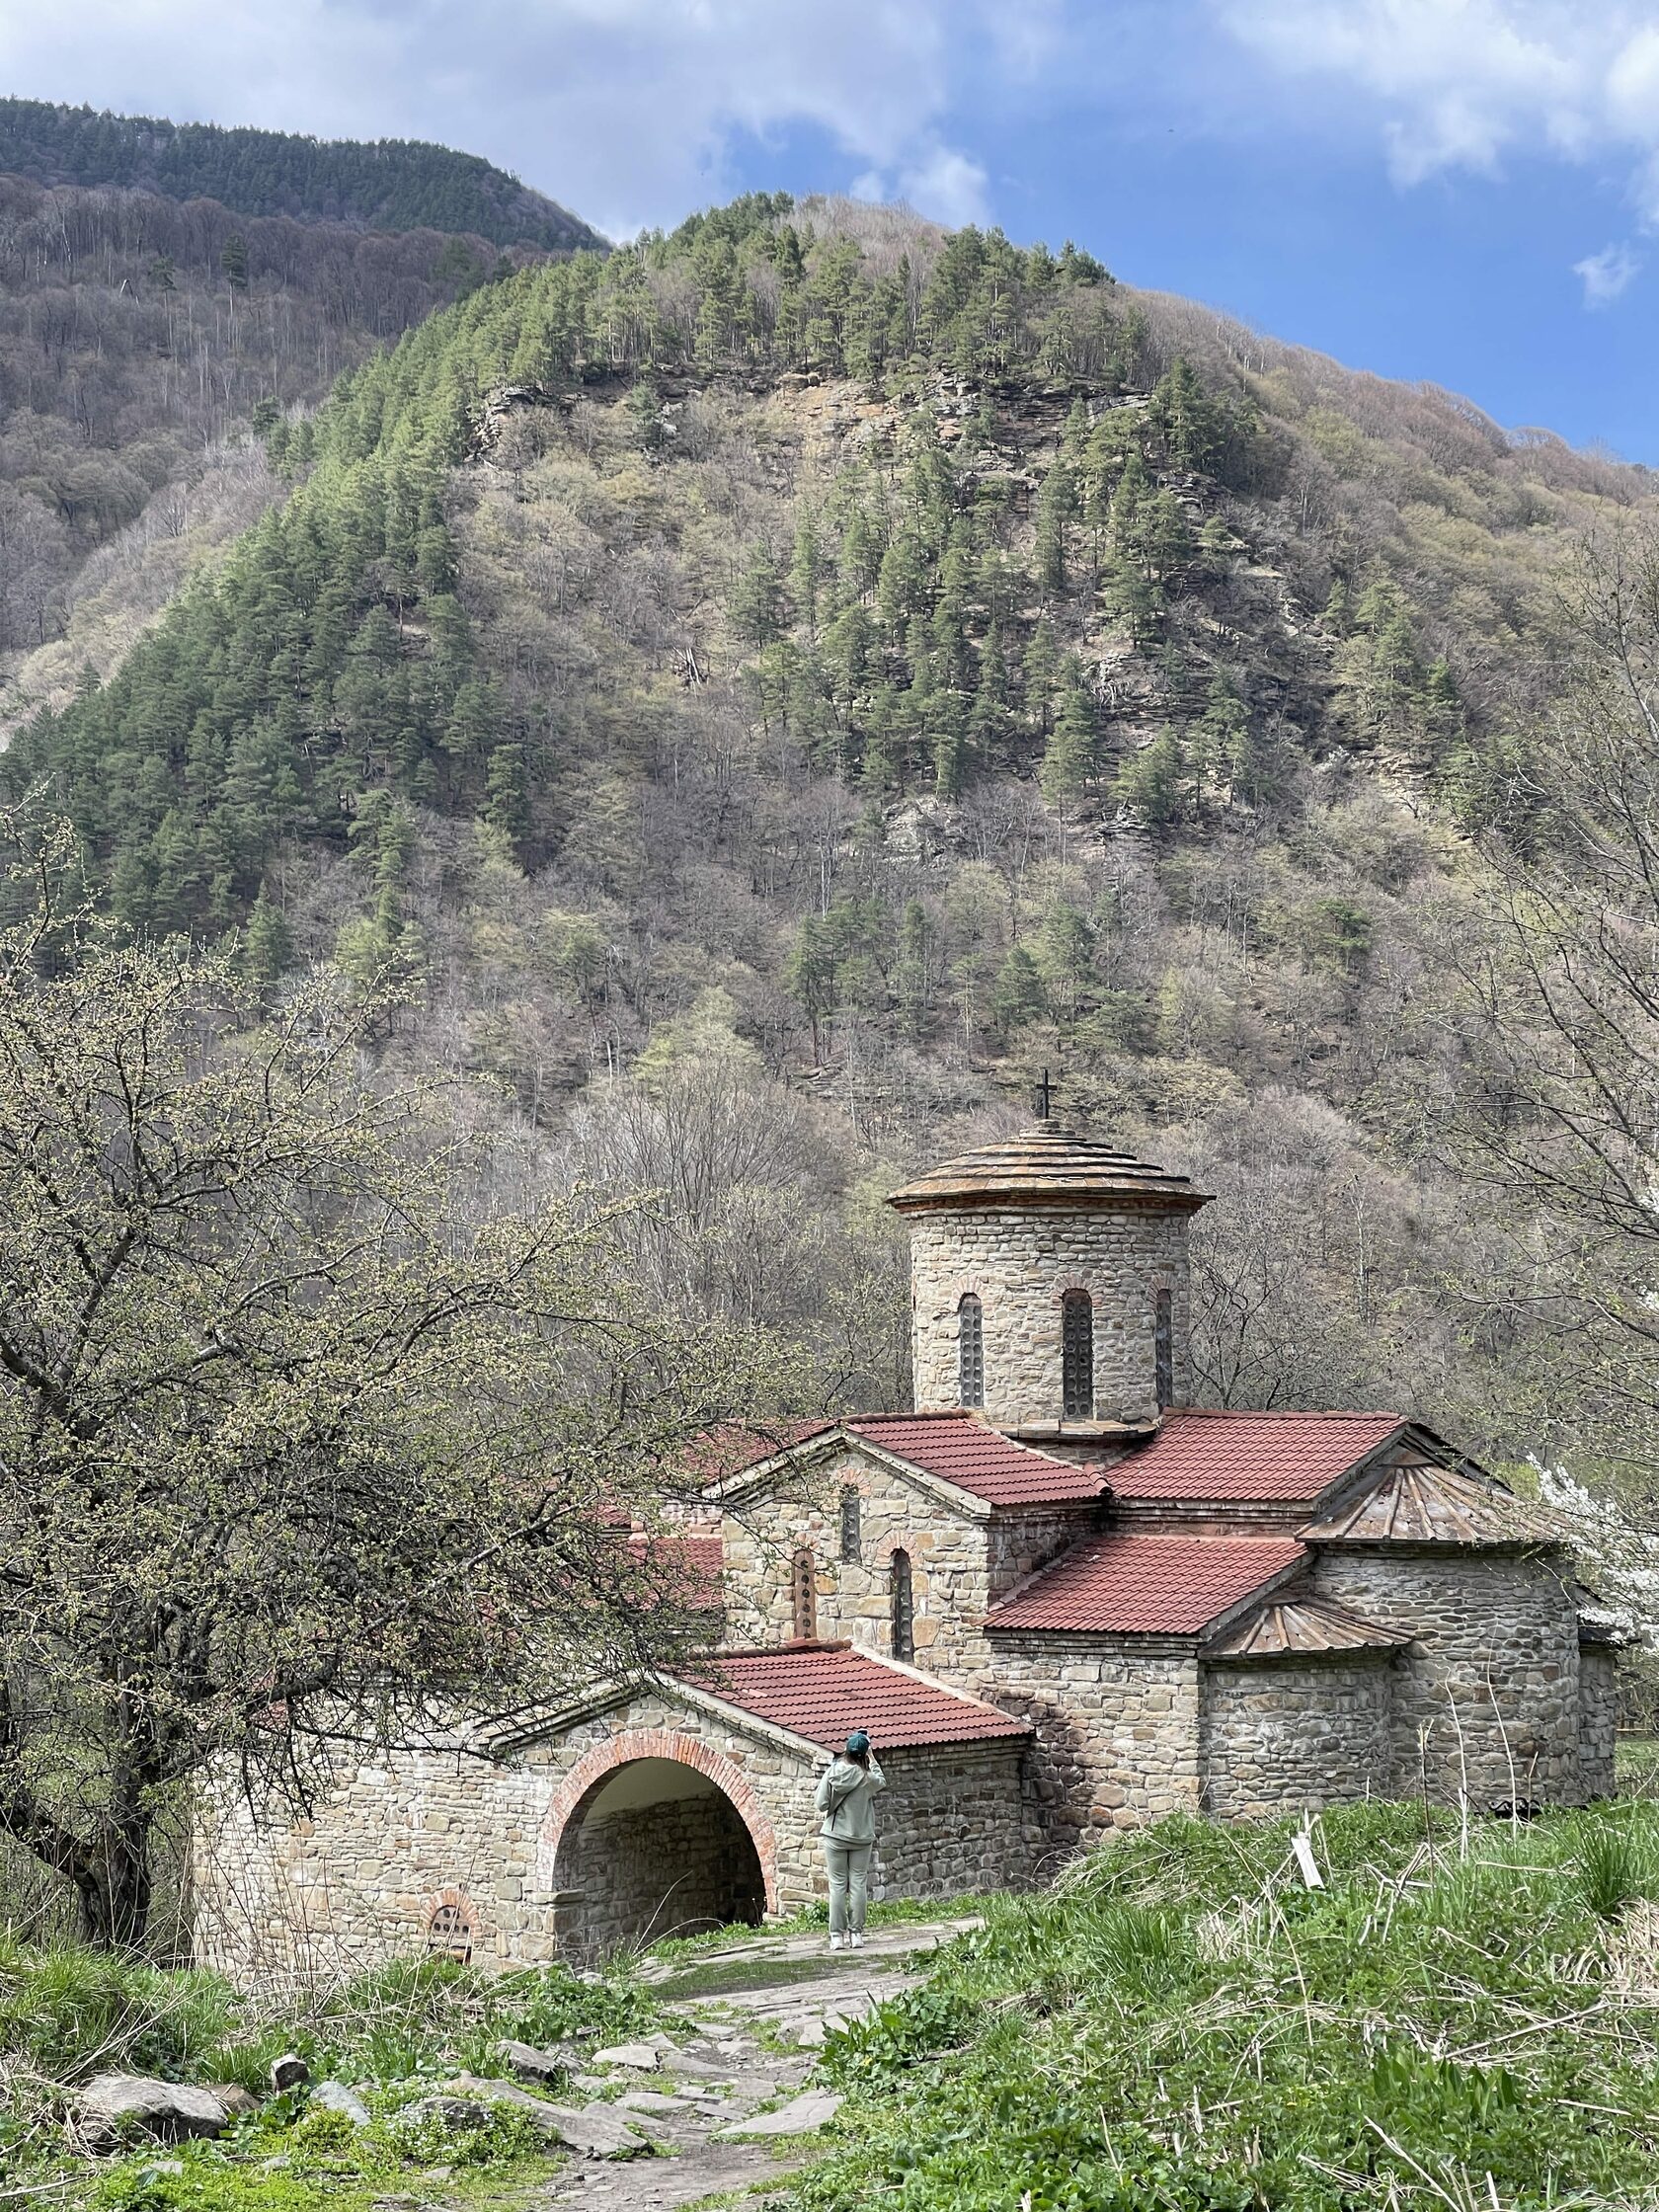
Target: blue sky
1463,191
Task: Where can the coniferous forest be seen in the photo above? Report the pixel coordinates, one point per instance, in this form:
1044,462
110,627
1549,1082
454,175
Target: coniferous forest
395,185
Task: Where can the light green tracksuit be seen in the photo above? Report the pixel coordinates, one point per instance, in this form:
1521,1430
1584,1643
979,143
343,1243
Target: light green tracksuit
846,1799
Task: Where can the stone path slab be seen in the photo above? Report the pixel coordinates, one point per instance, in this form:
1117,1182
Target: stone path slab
742,2115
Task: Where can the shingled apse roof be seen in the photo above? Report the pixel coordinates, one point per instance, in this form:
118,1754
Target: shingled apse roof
1044,1165
1151,1585
825,1690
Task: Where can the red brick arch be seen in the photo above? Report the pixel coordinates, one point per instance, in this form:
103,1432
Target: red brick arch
630,1744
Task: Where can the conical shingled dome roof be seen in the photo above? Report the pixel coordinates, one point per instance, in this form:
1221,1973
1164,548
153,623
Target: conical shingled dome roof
1046,1165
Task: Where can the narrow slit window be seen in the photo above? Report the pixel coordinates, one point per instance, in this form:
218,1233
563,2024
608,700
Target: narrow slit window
804,1585
1163,1349
969,1352
1076,1355
904,1606
851,1534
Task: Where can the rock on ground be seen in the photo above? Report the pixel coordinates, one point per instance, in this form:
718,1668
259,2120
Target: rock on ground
803,2115
643,2057
536,2064
598,2131
114,2107
335,2097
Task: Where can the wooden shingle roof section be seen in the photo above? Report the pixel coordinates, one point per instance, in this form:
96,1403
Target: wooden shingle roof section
1299,1624
1044,1165
1420,1501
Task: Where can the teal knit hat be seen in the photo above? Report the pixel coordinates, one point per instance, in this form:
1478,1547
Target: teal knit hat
858,1743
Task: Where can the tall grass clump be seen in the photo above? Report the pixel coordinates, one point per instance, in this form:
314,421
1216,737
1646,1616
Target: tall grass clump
1456,2020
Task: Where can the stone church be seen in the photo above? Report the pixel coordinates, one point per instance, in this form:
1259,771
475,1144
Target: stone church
1061,1599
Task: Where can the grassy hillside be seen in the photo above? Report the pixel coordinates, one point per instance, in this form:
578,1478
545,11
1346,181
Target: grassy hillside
816,671
394,183
1452,2021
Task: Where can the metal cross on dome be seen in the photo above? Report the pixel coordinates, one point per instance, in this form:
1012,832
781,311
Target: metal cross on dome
1044,1098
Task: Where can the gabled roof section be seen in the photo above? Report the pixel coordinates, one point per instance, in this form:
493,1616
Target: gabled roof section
964,1450
1044,1165
1296,1623
825,1690
961,1449
1249,1457
1420,1501
1151,1585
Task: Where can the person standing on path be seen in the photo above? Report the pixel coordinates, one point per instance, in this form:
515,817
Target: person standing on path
846,1799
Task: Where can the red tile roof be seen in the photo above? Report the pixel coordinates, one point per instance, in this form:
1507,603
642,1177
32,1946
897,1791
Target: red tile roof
959,1446
962,1449
719,1454
1245,1457
683,1570
824,1692
1170,1586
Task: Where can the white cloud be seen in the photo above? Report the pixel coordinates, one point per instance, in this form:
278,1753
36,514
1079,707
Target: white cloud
1607,275
626,110
1462,83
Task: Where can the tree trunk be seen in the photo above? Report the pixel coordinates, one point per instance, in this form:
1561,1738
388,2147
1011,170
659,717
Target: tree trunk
115,1888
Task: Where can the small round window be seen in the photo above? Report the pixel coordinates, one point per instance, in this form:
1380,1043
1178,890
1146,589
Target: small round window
450,1933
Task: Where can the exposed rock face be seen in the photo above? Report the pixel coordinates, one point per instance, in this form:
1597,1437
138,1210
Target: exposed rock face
116,2108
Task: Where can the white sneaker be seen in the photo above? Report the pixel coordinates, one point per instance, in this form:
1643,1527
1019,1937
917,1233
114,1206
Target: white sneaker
855,1943
838,1942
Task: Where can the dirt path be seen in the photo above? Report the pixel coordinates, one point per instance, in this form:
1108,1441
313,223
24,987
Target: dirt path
742,2040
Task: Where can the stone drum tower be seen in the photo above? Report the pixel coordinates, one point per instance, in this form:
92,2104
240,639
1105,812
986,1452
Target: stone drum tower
1049,1284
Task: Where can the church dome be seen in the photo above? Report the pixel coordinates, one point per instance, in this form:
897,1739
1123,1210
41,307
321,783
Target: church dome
1044,1165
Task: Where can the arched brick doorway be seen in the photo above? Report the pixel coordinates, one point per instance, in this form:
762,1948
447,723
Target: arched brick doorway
653,1834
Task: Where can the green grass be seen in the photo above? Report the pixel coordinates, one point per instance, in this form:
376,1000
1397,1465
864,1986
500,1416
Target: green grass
1181,2025
397,2033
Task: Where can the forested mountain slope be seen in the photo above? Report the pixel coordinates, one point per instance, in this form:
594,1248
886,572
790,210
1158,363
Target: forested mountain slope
393,183
138,331
772,689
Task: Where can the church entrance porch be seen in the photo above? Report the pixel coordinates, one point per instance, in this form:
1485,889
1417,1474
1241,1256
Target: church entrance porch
654,1847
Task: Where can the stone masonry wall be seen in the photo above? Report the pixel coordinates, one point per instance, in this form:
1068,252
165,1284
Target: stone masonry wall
959,1567
504,1844
1018,1265
1598,1717
1294,1735
1487,1696
395,1835
954,1818
1117,1729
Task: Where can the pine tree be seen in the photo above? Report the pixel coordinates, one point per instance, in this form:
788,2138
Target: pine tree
806,572
1042,673
914,970
758,611
267,947
233,260
1057,504
1016,996
507,797
1152,782
1071,757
